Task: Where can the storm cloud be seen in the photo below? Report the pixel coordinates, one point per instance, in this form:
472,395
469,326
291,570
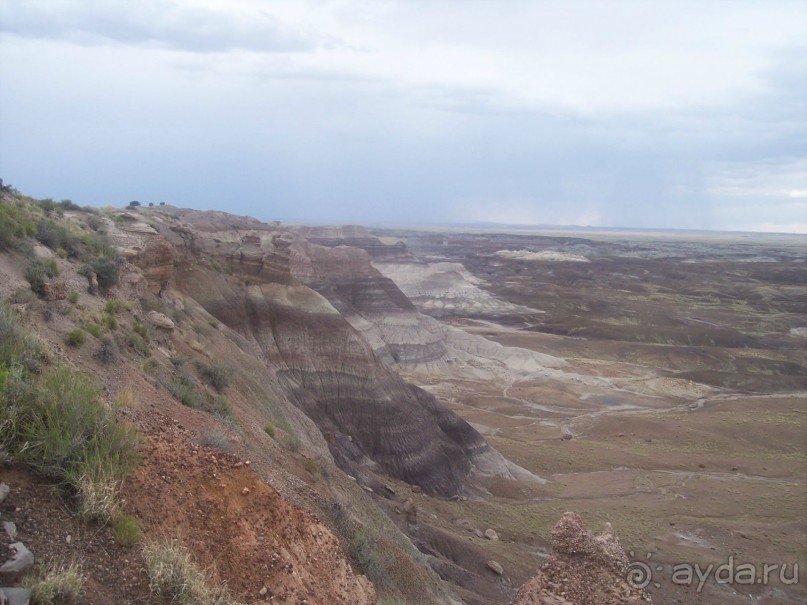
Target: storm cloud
663,114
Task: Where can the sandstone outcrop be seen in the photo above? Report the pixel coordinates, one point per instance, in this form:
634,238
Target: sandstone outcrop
584,569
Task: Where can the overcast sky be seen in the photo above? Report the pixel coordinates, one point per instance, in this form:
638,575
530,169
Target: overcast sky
632,113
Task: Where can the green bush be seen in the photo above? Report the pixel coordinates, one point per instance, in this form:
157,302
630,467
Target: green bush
115,305
94,329
15,223
59,426
126,530
75,338
216,376
72,297
184,390
55,235
17,346
269,429
39,271
364,548
110,322
106,272
138,343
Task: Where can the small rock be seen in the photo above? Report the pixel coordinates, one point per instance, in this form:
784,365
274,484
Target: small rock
22,560
15,596
478,533
416,489
68,538
496,567
389,488
245,491
4,489
491,534
263,591
11,530
567,437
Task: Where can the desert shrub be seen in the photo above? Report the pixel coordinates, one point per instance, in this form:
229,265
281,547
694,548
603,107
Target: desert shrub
115,305
106,272
313,468
126,530
14,224
109,321
138,343
183,388
98,245
94,222
39,271
364,549
56,584
55,236
94,329
59,427
72,297
173,576
216,376
17,345
107,352
141,329
221,408
293,442
216,439
269,429
75,338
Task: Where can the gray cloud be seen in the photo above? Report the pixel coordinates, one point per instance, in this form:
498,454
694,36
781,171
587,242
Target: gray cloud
165,23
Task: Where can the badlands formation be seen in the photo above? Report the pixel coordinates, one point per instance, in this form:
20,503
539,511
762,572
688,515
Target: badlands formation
355,416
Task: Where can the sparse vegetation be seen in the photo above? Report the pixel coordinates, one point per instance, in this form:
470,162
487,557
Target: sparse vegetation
216,439
75,338
138,343
94,329
72,297
39,272
55,422
216,376
57,236
174,576
106,271
56,584
269,429
126,530
364,548
184,390
107,352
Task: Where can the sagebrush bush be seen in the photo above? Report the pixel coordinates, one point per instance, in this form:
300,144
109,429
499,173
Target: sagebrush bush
39,271
94,329
107,352
269,429
216,376
56,236
75,338
72,297
106,272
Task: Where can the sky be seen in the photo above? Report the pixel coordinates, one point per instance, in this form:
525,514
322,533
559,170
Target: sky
688,114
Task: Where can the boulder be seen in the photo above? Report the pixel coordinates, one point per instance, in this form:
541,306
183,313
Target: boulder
15,596
491,534
159,320
22,560
495,567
